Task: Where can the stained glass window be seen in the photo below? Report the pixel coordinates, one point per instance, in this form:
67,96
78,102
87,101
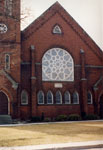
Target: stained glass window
57,65
67,97
58,97
75,98
49,97
40,97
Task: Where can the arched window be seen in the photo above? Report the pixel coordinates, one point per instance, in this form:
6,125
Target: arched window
75,98
67,97
57,29
57,65
7,61
40,97
24,98
49,97
8,7
89,98
58,97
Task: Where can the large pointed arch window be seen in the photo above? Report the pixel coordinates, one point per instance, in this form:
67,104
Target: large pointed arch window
49,97
58,97
57,65
40,97
67,98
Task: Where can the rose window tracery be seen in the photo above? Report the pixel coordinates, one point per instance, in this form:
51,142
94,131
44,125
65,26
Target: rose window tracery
57,65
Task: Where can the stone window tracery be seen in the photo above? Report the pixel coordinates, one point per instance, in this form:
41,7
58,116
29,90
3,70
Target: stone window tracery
57,29
57,65
3,28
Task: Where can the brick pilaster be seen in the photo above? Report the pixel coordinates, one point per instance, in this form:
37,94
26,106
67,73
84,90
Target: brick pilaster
84,106
33,83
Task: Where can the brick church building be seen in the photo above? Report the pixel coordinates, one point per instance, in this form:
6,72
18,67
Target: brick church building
53,67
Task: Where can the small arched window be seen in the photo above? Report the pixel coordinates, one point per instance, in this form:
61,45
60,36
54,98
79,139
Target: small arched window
57,29
58,97
24,98
7,62
49,97
67,97
75,98
40,97
89,98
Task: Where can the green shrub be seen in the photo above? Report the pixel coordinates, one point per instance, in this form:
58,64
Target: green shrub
91,117
35,119
61,118
74,117
47,119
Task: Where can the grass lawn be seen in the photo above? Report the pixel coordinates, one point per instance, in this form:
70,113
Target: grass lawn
51,133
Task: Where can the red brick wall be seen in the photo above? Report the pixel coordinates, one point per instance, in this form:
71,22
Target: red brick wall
10,44
73,40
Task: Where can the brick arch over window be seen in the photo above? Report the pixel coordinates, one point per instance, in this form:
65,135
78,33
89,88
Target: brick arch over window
57,65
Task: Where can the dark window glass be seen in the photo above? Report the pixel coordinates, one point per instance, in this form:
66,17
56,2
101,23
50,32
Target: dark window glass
58,97
40,97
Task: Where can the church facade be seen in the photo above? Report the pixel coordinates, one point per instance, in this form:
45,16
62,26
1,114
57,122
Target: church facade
52,67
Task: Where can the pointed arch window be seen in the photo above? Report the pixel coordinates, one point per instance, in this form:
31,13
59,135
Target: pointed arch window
58,97
49,97
67,97
24,98
89,98
75,98
8,7
7,62
57,29
40,97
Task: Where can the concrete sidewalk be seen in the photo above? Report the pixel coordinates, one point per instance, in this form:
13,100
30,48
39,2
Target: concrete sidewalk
55,146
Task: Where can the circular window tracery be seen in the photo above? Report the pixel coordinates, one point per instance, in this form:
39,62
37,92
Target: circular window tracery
3,28
57,65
